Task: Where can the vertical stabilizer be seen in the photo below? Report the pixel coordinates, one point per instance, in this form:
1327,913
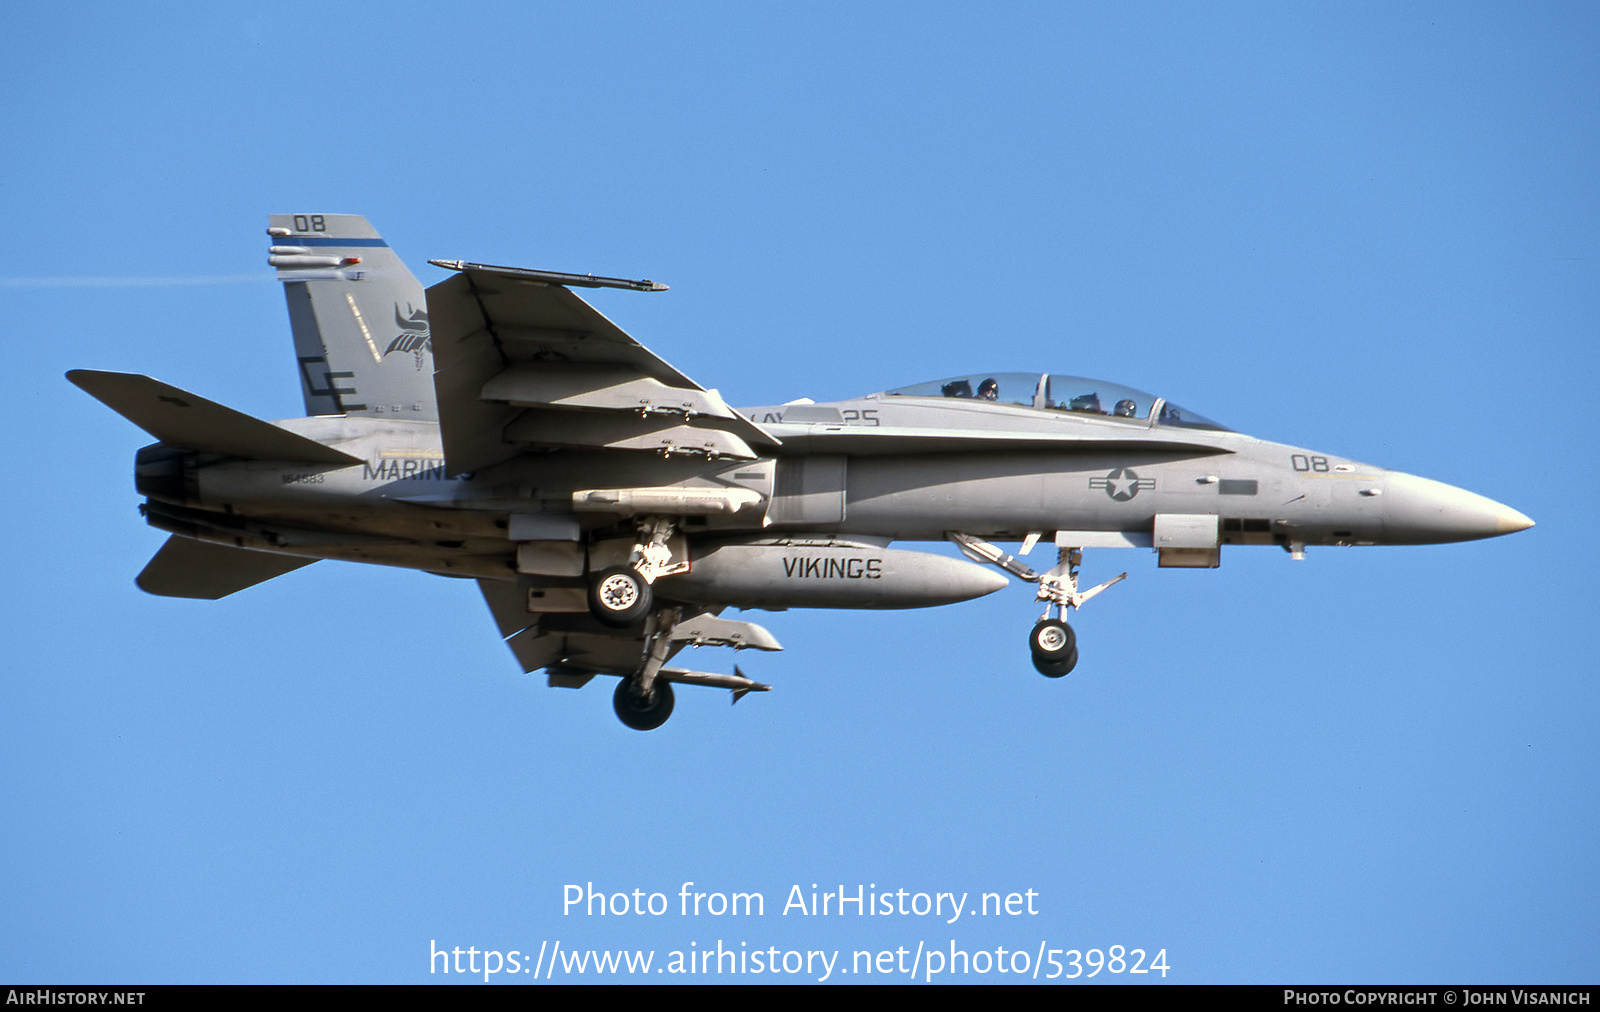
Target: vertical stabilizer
360,319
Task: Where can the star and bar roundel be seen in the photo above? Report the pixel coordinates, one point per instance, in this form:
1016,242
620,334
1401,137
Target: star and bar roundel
1122,483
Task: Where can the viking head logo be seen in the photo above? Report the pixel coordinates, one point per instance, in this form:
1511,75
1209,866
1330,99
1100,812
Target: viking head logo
413,324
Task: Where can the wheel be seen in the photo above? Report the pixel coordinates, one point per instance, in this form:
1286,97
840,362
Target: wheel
640,714
619,597
1052,640
1056,669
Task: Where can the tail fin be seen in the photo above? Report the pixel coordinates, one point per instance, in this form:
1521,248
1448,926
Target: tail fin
359,318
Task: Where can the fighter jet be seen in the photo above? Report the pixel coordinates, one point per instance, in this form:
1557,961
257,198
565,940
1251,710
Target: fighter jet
497,427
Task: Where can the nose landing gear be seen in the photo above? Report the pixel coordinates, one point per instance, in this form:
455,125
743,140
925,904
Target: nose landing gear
1052,642
1054,646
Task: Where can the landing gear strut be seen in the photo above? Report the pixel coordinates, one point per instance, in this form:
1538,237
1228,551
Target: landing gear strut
643,699
1052,642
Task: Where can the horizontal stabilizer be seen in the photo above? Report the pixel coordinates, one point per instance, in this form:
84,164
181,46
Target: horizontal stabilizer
179,418
188,568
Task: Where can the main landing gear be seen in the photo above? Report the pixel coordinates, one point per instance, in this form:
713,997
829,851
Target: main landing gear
620,596
643,709
1052,642
643,699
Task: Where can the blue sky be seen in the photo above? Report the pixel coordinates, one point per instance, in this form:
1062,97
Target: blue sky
1368,229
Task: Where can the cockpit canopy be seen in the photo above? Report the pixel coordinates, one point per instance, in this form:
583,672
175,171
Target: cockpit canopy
1061,393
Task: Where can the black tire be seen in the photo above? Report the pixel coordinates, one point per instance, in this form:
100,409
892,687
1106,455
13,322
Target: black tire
619,597
1053,641
639,714
1056,669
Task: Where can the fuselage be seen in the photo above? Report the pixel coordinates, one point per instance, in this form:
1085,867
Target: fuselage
1014,469
885,467
610,509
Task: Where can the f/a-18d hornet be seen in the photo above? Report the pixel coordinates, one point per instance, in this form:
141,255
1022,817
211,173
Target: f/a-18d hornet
497,427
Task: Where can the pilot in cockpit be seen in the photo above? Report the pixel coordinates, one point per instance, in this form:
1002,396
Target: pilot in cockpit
1125,408
989,390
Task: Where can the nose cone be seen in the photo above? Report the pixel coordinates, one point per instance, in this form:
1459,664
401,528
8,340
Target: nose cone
1419,511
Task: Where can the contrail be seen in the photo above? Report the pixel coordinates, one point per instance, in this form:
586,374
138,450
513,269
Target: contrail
215,279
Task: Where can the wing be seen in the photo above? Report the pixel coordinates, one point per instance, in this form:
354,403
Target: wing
540,640
577,648
523,363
